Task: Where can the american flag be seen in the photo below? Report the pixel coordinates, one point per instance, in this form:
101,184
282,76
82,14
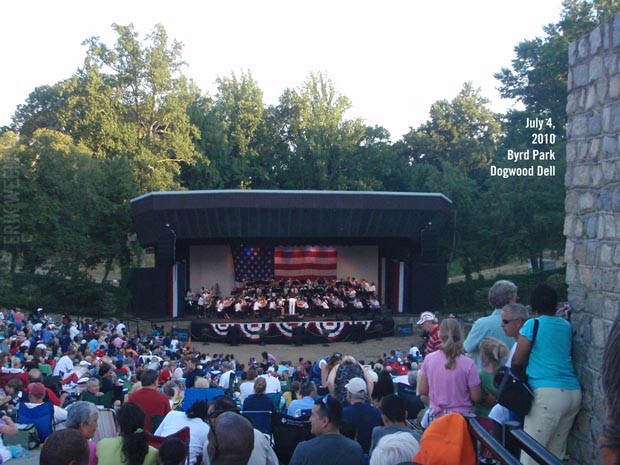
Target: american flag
307,262
252,262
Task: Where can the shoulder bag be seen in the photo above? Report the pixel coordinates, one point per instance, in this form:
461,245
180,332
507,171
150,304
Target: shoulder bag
514,393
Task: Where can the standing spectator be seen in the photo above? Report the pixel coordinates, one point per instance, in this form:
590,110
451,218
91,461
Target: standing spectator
447,377
149,398
609,441
359,413
549,367
342,373
428,323
329,447
501,294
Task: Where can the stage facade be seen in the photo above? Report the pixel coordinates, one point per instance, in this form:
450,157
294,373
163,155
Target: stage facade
390,239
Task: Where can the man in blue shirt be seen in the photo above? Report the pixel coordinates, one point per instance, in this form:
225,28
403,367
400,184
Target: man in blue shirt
308,394
360,414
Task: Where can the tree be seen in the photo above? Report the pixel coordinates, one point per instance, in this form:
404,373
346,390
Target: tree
70,209
131,101
323,147
463,132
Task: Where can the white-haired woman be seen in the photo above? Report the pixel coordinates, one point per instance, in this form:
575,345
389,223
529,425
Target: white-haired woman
83,417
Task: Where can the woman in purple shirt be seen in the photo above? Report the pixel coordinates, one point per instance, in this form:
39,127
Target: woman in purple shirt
448,377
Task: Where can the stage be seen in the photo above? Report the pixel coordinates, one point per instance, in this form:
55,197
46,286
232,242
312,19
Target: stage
295,331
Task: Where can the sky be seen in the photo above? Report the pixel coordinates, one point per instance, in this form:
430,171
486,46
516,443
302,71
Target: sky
393,58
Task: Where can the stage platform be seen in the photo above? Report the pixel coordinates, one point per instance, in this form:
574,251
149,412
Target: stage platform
291,331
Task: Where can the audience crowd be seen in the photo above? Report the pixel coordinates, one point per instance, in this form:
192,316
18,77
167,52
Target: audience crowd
356,411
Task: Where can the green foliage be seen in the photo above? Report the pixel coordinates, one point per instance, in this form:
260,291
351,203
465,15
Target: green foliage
472,296
78,296
463,132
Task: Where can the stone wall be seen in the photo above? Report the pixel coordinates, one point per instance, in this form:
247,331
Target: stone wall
592,225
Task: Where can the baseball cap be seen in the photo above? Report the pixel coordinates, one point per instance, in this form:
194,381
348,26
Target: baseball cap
426,316
36,389
356,386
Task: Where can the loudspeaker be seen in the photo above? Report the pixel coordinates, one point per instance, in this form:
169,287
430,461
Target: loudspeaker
165,250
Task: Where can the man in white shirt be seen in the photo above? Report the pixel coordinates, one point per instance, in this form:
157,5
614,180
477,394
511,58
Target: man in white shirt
227,372
65,364
273,383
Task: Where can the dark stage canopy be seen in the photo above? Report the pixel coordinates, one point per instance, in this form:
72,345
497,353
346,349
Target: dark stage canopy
403,228
288,216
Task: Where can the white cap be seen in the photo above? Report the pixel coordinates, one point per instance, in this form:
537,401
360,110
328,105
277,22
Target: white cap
426,316
356,386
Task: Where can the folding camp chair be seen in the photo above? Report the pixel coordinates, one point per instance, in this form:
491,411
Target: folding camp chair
194,394
261,419
183,434
106,424
41,416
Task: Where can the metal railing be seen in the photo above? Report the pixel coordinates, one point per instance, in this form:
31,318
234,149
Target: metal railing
513,441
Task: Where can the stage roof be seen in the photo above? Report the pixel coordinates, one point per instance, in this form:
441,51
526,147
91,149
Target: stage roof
278,216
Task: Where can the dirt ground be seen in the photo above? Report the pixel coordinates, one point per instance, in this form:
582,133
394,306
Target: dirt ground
366,351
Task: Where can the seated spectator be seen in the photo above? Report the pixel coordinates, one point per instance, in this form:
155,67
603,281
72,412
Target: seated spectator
359,413
172,452
35,376
262,454
149,398
395,448
329,447
393,414
194,418
94,395
291,394
308,394
246,388
231,440
36,395
259,400
227,374
65,447
131,447
82,416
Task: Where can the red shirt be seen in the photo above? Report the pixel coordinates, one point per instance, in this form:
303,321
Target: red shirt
434,342
152,402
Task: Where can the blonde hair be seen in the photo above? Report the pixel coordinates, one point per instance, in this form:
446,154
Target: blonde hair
451,335
493,349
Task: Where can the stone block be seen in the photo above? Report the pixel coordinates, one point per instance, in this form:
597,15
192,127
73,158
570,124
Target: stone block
614,87
595,40
610,227
572,277
604,200
578,231
615,199
581,176
605,259
572,53
585,276
586,331
606,116
586,202
594,148
598,334
580,253
595,68
602,87
568,225
617,256
609,169
606,39
610,307
571,150
607,284
580,75
591,258
591,98
596,175
591,224
615,33
594,124
583,48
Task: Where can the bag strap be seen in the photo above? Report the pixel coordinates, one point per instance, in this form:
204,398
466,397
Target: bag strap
536,323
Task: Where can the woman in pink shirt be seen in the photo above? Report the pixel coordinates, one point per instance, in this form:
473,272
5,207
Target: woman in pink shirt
448,377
